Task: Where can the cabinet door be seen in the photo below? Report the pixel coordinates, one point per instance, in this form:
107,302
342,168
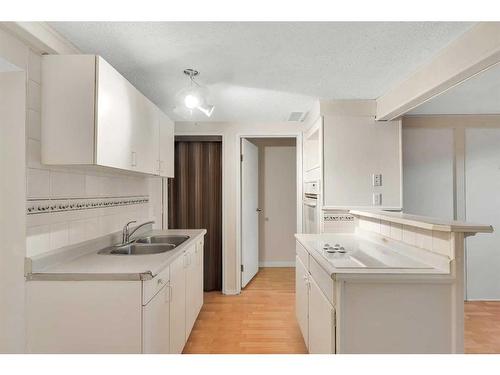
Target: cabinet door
166,162
156,323
301,298
116,118
199,274
191,290
321,321
178,305
145,134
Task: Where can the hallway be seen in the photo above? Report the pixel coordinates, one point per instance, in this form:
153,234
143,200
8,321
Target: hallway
261,320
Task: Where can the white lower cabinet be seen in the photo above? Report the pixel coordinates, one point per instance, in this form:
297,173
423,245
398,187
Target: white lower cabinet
315,313
178,304
302,299
150,316
194,285
186,281
321,321
156,323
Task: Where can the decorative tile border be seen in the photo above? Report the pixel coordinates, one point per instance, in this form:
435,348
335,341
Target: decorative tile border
43,206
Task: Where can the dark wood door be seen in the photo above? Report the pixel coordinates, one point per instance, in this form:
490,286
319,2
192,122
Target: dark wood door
195,199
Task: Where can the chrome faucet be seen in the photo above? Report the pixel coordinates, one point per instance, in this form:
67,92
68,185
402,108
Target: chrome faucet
126,234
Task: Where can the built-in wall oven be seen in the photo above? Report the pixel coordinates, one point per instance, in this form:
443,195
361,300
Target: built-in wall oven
311,207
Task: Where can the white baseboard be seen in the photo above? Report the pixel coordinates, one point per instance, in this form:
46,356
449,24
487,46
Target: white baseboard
230,292
290,263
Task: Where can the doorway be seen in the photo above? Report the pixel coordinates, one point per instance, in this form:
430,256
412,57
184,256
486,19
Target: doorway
268,204
195,198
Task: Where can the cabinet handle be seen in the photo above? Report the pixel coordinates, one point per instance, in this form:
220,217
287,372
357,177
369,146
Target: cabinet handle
134,159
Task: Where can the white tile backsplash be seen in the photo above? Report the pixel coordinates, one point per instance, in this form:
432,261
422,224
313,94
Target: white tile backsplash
93,186
37,240
38,183
59,235
67,185
76,231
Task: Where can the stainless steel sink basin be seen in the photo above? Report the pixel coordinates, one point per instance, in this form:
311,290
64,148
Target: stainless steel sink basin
163,239
138,249
146,245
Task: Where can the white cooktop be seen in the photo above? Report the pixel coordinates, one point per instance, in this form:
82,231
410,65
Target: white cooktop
351,251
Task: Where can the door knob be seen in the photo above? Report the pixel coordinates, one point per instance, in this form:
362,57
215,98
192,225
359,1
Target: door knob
258,209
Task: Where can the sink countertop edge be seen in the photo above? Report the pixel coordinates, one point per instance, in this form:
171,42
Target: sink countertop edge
148,265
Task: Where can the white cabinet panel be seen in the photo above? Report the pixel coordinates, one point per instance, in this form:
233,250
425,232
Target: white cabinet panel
156,323
302,298
321,322
68,100
116,102
145,134
191,290
178,305
166,146
194,285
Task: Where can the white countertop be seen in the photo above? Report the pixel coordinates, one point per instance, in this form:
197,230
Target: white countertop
361,256
94,266
424,222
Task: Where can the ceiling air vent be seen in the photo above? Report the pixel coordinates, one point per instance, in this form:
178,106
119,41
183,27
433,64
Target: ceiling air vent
297,116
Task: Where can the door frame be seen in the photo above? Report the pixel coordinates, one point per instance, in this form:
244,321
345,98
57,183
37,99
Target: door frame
298,151
224,198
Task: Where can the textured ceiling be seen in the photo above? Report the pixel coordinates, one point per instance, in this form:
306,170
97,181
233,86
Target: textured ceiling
259,71
478,95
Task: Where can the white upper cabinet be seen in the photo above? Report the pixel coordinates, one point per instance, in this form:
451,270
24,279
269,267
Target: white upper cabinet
116,102
91,115
166,162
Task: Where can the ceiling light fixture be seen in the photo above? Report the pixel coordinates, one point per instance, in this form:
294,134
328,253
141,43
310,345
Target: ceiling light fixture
193,97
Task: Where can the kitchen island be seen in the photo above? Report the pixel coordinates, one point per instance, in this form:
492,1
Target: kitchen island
395,285
80,301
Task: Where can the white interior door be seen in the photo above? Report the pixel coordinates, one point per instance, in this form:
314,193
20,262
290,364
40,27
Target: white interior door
249,211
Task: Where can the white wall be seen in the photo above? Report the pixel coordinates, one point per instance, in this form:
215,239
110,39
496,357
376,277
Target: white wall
428,172
278,200
12,218
474,154
482,184
231,159
12,196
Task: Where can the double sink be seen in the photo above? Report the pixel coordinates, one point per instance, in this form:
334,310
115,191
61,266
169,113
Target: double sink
146,245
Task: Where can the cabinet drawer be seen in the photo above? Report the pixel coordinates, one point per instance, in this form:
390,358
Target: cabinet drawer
302,254
322,279
153,286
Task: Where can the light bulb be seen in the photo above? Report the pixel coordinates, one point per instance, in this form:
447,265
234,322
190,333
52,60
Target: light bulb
191,101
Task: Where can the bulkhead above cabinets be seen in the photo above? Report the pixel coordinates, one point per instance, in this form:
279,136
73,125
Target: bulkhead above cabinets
91,115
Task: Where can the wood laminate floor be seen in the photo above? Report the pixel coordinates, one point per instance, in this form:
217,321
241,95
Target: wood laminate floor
261,320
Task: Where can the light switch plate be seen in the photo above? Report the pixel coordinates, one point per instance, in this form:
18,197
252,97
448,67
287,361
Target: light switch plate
377,199
377,179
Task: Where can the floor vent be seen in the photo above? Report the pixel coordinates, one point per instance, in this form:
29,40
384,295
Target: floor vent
297,116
